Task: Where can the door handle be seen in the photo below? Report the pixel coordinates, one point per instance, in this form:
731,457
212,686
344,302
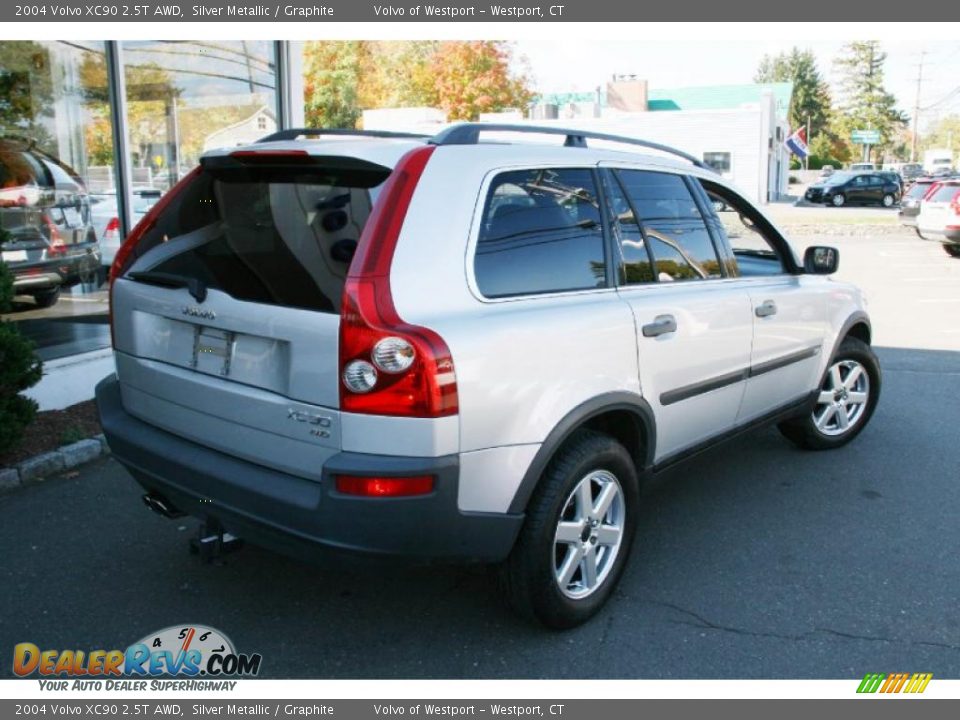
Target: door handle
766,308
661,325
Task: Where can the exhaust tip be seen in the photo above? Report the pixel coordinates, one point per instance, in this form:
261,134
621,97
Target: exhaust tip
162,506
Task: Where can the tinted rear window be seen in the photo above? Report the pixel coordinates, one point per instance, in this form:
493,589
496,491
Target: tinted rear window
540,233
278,236
945,193
918,190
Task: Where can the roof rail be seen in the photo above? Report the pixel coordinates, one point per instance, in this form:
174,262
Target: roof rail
294,133
469,134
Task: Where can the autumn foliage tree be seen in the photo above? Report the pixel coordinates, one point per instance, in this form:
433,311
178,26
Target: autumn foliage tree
343,78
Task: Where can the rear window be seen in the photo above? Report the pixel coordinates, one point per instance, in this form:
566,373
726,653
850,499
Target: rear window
273,235
540,233
945,193
918,190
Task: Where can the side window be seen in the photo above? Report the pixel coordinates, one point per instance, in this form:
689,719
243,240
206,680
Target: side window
673,227
541,232
753,250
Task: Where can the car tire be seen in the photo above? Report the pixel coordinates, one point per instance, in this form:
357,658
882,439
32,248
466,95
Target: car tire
560,581
838,200
47,298
888,200
848,395
952,250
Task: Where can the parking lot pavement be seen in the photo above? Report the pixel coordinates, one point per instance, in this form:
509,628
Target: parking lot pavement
752,560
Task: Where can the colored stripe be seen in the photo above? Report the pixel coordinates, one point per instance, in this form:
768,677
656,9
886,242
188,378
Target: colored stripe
903,679
870,682
926,681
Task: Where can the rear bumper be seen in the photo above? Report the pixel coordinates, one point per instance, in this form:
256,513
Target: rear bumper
299,516
948,236
67,270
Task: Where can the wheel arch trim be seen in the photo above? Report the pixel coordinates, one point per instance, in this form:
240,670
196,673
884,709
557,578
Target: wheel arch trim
577,418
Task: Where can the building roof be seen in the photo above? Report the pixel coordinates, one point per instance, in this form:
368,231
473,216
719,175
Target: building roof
719,97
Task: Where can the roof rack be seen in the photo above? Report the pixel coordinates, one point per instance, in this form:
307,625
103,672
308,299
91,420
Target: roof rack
469,134
294,133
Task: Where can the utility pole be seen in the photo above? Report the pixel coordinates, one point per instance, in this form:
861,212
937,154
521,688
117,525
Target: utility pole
916,109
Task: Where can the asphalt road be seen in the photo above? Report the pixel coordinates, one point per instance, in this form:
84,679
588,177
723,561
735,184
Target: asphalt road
755,560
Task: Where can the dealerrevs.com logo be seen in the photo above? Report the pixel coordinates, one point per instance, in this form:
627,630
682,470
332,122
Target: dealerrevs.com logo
182,651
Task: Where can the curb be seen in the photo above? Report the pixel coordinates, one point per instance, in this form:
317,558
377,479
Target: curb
36,469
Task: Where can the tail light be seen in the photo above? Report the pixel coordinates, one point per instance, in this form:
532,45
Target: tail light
388,366
955,203
384,486
57,244
112,229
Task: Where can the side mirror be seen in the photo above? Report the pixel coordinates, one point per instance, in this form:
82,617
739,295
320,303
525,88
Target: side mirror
821,260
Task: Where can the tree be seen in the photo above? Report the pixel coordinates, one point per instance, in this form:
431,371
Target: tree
331,71
811,96
26,91
19,368
343,78
474,77
944,134
863,101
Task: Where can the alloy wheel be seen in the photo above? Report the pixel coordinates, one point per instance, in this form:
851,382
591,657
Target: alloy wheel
843,398
589,534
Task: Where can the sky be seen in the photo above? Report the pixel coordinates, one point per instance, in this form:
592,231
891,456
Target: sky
586,64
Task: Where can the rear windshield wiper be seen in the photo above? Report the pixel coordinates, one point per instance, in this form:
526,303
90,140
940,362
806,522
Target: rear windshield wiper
197,288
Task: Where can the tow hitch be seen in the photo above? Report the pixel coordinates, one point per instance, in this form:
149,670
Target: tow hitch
212,541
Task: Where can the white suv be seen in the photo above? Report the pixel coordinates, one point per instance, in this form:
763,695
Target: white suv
452,348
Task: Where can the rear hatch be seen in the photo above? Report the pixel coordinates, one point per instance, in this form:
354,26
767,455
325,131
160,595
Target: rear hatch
226,318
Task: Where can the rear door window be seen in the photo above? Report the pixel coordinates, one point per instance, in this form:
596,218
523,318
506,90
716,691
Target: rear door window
540,232
271,235
674,229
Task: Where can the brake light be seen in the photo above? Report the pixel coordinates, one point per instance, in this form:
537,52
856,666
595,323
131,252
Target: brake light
384,486
124,257
955,203
113,227
388,366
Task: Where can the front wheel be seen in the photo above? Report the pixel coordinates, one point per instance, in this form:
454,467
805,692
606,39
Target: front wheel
952,250
838,200
575,542
847,398
888,200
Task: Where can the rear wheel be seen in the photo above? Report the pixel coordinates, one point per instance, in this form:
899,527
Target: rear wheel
576,540
952,250
888,200
47,298
847,398
838,200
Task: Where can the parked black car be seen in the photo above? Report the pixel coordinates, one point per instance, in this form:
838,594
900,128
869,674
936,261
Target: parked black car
842,188
47,237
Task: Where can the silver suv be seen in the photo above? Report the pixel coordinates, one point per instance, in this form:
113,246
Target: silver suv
452,348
